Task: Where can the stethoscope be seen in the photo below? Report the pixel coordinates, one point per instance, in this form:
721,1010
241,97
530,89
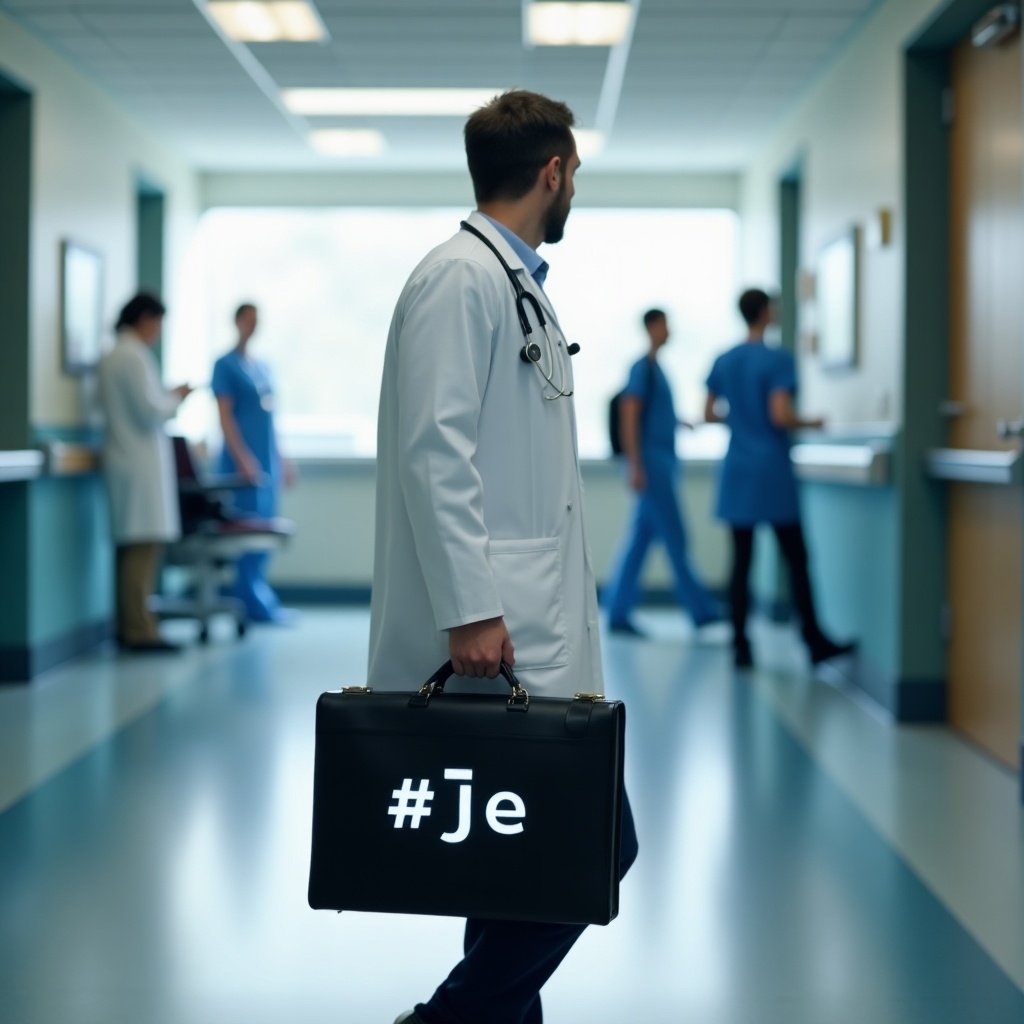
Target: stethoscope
531,352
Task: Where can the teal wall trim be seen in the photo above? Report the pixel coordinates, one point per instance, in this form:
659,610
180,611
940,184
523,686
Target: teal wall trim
907,700
15,238
14,576
316,594
922,510
56,596
70,556
852,543
21,664
921,700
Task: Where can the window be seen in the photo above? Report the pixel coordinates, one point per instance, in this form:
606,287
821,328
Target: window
326,282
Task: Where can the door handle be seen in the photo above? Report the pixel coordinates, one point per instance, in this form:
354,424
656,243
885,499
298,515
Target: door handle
951,408
1009,429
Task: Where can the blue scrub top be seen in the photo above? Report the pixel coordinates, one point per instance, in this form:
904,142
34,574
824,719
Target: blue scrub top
757,482
658,419
248,384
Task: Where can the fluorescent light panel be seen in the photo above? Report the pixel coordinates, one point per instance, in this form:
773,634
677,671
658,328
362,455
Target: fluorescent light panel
268,21
347,141
386,102
577,24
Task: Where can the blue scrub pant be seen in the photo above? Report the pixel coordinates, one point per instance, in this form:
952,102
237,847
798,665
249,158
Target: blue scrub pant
251,587
506,963
657,515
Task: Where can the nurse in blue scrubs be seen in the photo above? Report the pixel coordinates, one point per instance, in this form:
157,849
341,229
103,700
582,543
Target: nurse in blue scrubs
648,425
245,401
757,481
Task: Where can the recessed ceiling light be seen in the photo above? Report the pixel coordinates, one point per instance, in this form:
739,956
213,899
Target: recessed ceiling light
386,102
268,21
577,24
589,142
347,141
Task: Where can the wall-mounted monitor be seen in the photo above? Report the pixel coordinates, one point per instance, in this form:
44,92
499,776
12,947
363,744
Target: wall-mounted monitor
81,313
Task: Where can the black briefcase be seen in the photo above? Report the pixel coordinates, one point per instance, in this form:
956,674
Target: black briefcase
500,806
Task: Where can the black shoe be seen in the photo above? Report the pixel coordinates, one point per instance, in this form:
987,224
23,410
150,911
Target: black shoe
742,656
626,628
151,647
829,649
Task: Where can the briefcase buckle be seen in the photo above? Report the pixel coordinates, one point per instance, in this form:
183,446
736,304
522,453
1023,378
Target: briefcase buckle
592,698
519,699
357,689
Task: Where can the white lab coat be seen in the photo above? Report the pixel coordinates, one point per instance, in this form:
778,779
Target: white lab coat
138,459
479,496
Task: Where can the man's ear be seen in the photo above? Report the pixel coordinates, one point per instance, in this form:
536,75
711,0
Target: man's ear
551,173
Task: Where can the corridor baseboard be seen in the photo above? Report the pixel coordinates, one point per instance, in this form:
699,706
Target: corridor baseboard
22,663
316,594
907,700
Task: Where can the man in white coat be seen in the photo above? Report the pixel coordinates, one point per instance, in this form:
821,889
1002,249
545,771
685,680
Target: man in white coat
481,554
138,463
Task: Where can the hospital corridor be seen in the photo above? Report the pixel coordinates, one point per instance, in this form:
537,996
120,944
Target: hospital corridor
511,512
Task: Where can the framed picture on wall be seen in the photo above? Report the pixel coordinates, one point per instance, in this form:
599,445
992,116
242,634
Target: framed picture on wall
838,288
81,307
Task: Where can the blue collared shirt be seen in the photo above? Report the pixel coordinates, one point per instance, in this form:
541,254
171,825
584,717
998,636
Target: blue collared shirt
532,260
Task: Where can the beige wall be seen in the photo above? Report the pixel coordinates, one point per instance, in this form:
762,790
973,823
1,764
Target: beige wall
333,507
85,158
848,133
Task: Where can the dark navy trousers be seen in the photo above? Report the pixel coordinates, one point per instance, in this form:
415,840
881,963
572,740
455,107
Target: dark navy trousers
506,963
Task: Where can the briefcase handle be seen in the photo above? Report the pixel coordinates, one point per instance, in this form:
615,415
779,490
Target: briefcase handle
519,699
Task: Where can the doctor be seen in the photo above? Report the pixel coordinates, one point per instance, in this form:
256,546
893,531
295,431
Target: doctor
138,464
480,552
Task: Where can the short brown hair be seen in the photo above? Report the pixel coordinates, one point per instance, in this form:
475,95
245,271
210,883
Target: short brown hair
510,139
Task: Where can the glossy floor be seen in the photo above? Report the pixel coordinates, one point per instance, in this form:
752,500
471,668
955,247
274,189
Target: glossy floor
802,862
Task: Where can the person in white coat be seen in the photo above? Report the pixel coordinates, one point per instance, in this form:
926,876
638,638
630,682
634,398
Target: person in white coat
138,464
481,554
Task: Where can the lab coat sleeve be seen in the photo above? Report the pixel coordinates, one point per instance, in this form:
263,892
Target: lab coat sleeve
444,370
150,404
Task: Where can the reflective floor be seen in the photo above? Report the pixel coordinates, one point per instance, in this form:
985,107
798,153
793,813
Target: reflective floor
802,862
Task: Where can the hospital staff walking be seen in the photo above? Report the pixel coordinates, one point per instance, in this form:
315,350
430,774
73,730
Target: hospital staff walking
757,482
648,426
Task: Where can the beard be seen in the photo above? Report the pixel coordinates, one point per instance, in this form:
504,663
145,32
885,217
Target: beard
557,215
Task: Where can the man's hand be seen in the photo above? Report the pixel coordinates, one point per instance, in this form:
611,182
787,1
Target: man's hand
477,649
637,477
182,391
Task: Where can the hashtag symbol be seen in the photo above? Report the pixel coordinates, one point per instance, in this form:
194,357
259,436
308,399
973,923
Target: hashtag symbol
411,803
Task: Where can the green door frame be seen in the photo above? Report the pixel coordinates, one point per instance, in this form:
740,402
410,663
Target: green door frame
923,523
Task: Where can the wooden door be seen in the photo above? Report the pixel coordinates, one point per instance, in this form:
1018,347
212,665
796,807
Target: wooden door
986,376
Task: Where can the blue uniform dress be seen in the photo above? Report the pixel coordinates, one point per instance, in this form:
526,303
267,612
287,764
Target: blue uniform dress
757,482
248,384
656,514
758,486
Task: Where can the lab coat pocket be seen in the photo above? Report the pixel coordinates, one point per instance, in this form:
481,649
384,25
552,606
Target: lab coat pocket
528,574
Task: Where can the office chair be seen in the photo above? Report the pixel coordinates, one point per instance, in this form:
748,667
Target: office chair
214,534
